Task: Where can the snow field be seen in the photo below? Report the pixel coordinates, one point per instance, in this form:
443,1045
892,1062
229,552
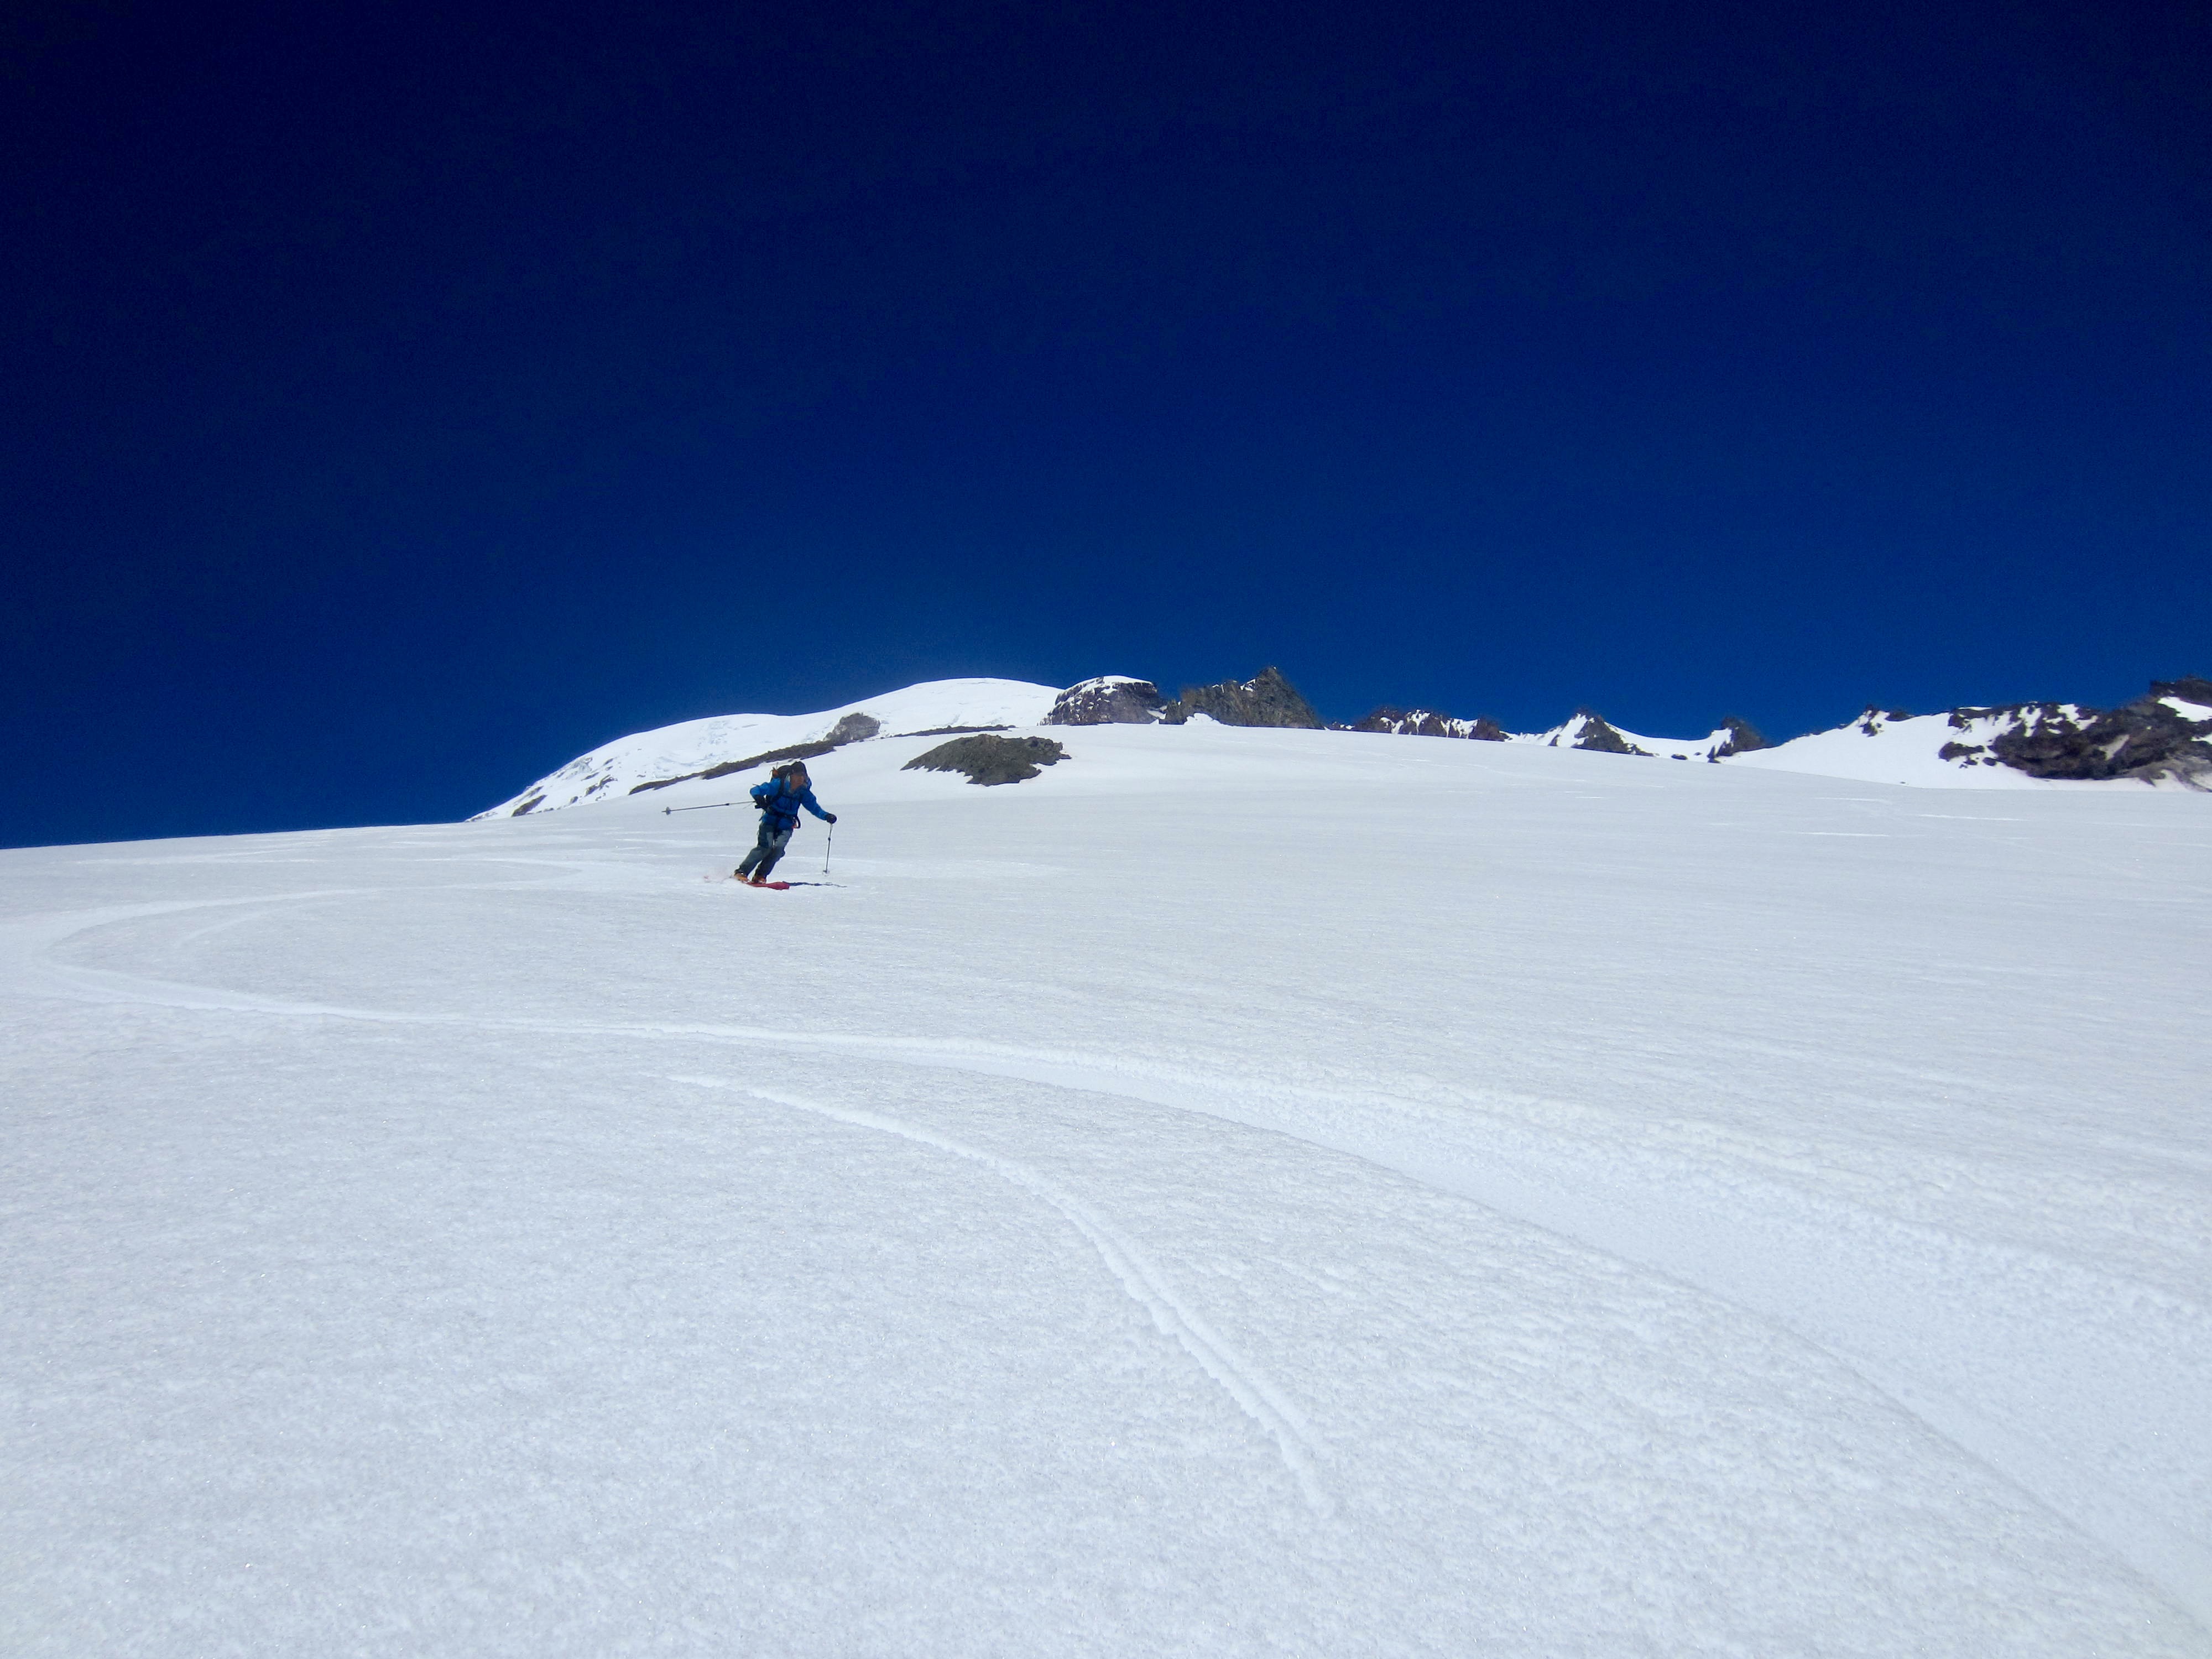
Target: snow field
610,771
1237,1192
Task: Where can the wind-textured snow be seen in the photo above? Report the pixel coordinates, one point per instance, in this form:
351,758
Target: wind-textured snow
1239,1192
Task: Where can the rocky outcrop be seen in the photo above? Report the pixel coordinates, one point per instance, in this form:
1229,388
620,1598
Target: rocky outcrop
1427,723
771,757
2166,735
852,728
1586,730
988,760
1266,699
1742,738
1110,700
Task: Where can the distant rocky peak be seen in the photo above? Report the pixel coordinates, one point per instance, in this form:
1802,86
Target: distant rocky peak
1588,730
1266,699
1428,723
2193,689
2164,736
1876,717
1110,700
1742,737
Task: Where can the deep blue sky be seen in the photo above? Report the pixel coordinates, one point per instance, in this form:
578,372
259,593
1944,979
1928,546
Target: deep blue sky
398,400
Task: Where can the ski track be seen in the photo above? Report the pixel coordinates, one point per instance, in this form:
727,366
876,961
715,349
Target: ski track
1140,1277
1801,1273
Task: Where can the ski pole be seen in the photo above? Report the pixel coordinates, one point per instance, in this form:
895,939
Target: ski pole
826,846
709,807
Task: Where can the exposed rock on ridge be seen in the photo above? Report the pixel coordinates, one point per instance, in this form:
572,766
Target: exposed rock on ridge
852,728
1427,723
1742,737
1586,730
2165,735
1266,699
797,751
1110,700
988,760
719,745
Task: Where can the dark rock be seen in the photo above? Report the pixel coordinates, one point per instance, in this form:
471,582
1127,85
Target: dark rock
2145,739
1266,699
1427,723
534,801
1388,717
989,760
774,757
2192,688
950,731
852,728
1742,738
1600,738
1107,702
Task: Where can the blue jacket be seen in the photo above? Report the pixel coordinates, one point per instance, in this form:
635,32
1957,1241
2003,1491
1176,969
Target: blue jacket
781,802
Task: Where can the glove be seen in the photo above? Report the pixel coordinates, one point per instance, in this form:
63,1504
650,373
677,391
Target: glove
832,816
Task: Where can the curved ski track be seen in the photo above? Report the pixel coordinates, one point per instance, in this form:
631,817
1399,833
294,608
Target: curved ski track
1146,1285
1519,1176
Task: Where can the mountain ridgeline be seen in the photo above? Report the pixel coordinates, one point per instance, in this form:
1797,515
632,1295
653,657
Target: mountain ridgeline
2163,738
1269,699
2164,735
1266,699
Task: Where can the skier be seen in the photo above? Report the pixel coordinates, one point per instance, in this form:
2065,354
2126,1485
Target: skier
779,799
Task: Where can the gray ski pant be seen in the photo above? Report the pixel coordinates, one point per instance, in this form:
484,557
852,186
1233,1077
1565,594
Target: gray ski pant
767,850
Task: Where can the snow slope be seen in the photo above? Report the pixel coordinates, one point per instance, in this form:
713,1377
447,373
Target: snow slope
1248,1192
1877,748
612,771
1874,748
1882,748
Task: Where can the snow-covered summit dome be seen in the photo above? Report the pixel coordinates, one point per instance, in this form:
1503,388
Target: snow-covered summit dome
692,748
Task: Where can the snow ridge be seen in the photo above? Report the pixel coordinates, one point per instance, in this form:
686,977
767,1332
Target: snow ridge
2162,738
691,747
1587,731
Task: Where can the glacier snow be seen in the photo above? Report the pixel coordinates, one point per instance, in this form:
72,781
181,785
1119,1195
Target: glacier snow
1239,1192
